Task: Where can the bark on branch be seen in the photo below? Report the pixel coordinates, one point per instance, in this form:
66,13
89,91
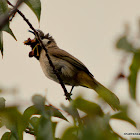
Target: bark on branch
5,18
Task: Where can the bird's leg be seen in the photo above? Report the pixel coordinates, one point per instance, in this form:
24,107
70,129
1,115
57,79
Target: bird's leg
71,90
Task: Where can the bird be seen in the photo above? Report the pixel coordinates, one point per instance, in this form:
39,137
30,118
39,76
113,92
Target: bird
71,70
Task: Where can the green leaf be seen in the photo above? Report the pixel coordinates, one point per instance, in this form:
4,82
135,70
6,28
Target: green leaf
88,107
70,134
3,10
32,110
8,30
13,120
124,44
1,43
2,103
35,6
134,69
123,116
98,128
95,128
42,109
29,112
45,129
8,136
54,128
3,7
56,113
34,121
39,102
73,112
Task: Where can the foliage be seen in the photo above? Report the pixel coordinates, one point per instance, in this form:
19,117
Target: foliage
132,48
3,10
34,5
93,125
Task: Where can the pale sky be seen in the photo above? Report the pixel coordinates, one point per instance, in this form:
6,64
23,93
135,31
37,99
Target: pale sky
88,30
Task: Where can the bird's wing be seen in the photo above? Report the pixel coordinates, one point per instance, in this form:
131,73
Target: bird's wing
61,54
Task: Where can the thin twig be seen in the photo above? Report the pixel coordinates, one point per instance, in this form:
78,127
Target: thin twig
5,18
42,45
29,132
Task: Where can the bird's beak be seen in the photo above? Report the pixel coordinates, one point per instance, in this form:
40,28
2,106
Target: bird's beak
31,32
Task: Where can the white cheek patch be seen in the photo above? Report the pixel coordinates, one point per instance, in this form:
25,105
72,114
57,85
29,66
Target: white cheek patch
45,41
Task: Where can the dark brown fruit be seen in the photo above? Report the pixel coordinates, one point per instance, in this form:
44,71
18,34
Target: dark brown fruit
31,53
28,41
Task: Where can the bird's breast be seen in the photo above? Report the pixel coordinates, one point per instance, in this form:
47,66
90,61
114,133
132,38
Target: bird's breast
47,69
66,71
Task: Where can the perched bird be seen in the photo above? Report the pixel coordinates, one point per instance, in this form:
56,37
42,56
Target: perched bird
71,70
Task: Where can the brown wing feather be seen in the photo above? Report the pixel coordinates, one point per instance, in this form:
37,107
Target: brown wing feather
61,54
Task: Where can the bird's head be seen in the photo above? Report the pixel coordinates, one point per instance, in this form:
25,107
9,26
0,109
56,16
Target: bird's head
47,40
40,33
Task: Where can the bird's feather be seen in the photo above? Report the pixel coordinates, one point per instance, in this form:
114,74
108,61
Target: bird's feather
61,54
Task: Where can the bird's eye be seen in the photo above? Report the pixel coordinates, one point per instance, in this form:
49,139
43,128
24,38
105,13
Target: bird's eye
49,42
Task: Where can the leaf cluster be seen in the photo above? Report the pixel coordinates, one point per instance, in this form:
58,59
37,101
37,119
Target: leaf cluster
37,120
131,47
34,5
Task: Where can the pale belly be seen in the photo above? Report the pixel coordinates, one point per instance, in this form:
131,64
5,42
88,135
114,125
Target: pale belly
66,71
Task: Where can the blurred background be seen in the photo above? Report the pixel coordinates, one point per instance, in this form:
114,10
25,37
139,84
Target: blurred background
89,31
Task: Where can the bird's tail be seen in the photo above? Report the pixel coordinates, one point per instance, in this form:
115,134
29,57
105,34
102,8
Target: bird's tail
106,94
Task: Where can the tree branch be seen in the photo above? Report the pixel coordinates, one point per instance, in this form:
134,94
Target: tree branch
42,45
29,132
5,18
